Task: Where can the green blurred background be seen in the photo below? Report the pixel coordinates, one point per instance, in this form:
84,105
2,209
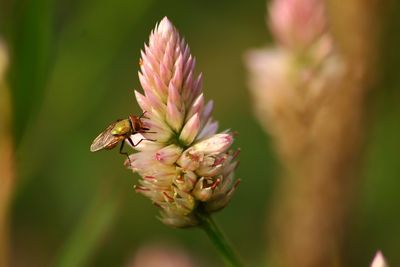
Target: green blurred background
73,70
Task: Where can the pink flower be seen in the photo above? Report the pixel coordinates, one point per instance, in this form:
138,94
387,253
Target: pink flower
291,80
161,255
185,165
296,24
379,260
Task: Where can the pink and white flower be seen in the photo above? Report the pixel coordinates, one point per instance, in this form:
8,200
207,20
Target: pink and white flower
379,260
186,167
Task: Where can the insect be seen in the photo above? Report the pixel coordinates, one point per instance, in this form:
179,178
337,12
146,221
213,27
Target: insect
120,130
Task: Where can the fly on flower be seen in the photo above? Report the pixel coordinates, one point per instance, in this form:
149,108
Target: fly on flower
120,130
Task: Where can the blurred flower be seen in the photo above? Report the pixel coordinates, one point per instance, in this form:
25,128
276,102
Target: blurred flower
3,60
7,159
291,81
304,96
379,260
296,24
161,256
290,92
188,166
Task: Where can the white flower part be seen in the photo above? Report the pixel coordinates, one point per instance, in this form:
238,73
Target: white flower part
379,260
183,163
211,166
185,181
216,144
270,82
142,144
169,154
203,190
190,160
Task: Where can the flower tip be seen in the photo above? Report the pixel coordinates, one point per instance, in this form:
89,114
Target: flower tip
190,130
297,23
228,138
165,20
379,260
165,26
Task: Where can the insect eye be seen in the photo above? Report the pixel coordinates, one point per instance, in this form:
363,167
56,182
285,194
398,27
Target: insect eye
138,125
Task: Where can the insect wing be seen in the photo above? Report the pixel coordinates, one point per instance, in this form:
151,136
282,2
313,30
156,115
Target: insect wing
105,139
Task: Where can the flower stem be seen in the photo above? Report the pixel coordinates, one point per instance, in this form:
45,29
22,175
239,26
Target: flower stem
224,248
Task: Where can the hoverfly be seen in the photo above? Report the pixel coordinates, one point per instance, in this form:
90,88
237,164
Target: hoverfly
120,130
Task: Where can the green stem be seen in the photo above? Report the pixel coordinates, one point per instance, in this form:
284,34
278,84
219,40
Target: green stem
224,248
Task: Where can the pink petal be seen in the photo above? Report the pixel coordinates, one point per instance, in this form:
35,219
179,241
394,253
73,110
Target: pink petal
190,130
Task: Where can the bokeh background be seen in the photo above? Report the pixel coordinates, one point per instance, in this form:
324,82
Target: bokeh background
73,70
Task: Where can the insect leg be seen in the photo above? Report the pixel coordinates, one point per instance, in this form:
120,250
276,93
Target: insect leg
141,141
141,116
138,142
145,130
130,141
124,153
135,145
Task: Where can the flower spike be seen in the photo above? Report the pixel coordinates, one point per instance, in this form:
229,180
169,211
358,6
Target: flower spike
189,166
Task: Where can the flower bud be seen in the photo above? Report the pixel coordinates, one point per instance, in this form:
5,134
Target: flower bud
379,260
190,130
168,154
204,188
297,23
